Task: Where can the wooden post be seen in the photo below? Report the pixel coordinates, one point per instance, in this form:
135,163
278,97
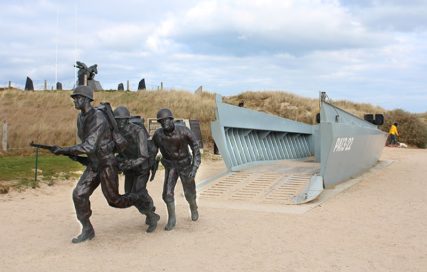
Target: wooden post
10,84
161,86
36,163
4,138
45,85
127,86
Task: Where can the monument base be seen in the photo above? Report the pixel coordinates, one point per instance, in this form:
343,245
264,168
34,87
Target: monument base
94,84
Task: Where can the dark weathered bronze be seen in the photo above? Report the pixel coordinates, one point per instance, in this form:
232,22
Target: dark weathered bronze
173,142
98,144
134,162
118,139
152,150
29,86
89,72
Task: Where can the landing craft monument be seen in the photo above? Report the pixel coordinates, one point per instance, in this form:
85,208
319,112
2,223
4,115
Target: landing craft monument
341,146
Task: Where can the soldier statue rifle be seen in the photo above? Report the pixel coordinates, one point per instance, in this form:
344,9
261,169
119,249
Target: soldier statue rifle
82,160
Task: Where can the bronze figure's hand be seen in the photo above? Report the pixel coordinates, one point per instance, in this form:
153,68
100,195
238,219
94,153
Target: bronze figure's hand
121,166
127,165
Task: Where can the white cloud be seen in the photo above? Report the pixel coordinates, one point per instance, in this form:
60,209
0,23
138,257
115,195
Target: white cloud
394,15
252,27
352,49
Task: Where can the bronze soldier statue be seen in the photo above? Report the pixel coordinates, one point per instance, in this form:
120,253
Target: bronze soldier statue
134,162
98,144
173,142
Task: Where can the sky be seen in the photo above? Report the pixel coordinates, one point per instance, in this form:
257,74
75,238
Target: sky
370,51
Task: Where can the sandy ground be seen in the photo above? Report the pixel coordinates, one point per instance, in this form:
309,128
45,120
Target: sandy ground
379,224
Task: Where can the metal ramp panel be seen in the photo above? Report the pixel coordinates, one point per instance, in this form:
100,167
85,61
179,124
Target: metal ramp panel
274,183
245,137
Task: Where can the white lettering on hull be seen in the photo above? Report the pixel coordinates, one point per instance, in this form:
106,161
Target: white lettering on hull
343,144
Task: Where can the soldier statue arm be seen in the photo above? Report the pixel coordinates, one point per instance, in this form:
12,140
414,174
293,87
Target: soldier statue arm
155,141
154,151
196,153
143,153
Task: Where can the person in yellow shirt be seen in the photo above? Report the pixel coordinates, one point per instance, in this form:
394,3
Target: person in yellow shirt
393,134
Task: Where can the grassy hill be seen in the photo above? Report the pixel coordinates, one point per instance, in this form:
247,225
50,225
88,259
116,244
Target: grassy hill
49,116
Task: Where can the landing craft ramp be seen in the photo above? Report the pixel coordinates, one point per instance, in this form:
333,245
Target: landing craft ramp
262,151
276,183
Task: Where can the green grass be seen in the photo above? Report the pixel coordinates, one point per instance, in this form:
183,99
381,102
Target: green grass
18,171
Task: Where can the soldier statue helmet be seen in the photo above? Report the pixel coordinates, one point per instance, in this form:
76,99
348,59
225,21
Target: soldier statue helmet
85,91
121,113
163,114
122,116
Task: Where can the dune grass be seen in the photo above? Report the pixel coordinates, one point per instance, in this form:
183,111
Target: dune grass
49,116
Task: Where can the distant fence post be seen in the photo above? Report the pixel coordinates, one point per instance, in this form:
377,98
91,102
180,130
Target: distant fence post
45,85
4,138
127,86
10,84
36,164
161,86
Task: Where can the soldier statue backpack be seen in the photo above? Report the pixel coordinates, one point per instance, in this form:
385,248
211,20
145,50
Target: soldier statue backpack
118,139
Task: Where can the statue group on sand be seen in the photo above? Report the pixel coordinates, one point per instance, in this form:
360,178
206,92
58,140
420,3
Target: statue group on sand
113,144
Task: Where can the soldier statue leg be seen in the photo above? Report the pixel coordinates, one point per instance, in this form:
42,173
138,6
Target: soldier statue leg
189,186
147,206
108,176
129,182
88,182
171,177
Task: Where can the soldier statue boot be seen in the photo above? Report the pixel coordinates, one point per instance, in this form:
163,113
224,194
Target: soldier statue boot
193,208
147,220
87,232
152,219
171,216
